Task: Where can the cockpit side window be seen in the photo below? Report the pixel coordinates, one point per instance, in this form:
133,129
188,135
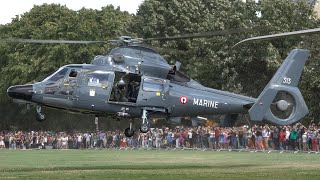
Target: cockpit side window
153,85
73,73
58,75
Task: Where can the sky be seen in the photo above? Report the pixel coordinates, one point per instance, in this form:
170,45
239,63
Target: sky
11,8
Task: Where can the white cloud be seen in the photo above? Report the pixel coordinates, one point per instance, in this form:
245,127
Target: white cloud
11,8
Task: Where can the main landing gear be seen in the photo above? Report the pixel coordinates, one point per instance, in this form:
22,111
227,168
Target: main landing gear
144,128
129,131
40,116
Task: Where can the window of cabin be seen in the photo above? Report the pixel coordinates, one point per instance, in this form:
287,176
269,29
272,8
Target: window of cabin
73,73
153,85
72,79
96,79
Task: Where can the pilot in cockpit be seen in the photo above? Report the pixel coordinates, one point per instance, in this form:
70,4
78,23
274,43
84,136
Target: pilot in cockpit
120,89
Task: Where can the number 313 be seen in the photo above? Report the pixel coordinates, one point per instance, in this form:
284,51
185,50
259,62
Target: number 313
286,80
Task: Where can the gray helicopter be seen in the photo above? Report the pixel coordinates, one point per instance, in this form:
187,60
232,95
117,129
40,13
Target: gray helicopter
135,81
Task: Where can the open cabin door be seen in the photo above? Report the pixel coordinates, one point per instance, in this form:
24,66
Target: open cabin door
125,88
153,92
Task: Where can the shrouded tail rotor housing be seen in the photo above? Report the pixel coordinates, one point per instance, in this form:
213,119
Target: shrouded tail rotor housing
281,101
283,105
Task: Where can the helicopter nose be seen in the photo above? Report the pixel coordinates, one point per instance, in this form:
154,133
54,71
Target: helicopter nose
23,92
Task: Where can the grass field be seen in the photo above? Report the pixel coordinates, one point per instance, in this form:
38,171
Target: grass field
156,164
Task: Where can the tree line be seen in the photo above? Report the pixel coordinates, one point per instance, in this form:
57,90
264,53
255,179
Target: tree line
212,61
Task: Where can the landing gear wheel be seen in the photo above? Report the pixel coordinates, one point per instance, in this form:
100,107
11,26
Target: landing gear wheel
128,132
39,115
144,128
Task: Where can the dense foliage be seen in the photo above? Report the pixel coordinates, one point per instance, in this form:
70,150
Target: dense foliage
24,63
211,61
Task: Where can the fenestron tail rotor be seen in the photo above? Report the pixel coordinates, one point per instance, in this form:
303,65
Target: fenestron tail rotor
283,105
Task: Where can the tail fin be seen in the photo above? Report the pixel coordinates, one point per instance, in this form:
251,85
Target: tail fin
281,101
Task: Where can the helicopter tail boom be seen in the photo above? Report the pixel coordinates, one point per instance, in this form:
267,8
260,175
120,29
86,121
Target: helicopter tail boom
281,101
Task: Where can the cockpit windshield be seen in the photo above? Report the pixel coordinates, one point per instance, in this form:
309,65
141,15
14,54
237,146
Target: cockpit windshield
59,74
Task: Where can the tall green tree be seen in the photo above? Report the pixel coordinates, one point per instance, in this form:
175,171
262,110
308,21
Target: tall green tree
24,63
212,61
204,59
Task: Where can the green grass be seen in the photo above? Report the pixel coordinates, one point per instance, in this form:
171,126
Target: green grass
154,164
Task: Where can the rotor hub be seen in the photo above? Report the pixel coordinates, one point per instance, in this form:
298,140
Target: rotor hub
282,105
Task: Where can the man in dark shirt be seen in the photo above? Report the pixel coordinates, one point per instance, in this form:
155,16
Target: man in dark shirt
275,137
259,138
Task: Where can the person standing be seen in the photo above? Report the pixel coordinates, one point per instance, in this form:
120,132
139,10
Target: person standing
282,139
169,139
221,139
275,137
287,138
304,141
79,141
211,139
88,140
301,131
177,136
259,138
1,142
216,136
265,138
64,141
190,138
158,135
293,138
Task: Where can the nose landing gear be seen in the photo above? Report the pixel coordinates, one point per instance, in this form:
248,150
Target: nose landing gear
129,131
40,116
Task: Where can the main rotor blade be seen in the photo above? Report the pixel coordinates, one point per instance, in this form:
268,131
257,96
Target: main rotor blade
41,41
201,35
274,36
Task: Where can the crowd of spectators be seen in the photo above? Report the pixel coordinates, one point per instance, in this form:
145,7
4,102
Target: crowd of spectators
294,137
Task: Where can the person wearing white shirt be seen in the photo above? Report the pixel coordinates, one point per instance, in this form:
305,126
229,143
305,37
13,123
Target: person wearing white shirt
265,136
79,141
304,141
287,138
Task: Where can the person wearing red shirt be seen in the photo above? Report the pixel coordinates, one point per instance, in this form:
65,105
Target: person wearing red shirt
282,138
216,134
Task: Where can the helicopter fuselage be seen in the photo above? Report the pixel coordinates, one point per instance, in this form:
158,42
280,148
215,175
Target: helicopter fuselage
125,91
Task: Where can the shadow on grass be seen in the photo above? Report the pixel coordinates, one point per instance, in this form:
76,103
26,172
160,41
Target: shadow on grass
129,167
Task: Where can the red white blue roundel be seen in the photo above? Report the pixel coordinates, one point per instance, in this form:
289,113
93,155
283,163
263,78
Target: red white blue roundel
183,99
